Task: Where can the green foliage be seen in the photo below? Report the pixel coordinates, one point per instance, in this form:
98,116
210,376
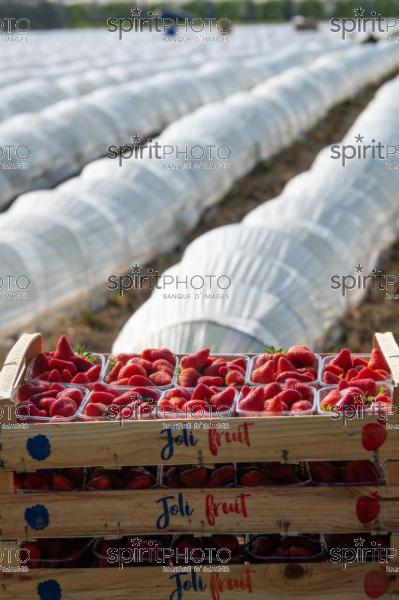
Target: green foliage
272,11
311,8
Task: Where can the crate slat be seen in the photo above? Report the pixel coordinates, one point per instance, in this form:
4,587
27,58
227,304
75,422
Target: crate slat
253,510
319,581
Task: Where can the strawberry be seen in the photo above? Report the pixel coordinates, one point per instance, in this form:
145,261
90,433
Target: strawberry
234,378
330,378
74,393
114,373
175,392
152,355
189,377
284,365
162,365
140,380
323,472
275,405
367,509
304,377
81,363
253,401
353,397
196,406
26,391
240,362
81,378
254,478
262,546
289,397
361,471
280,473
202,392
95,410
264,374
305,390
369,386
30,551
272,389
61,483
63,350
102,397
59,365
223,400
160,378
140,482
374,436
66,376
377,360
130,370
343,359
101,482
338,371
54,375
301,356
351,374
93,373
197,361
330,400
221,476
301,406
367,373
65,407
46,403
195,477
218,381
358,361
343,385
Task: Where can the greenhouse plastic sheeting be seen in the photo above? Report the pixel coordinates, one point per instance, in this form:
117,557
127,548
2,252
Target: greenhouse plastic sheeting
281,258
67,135
113,217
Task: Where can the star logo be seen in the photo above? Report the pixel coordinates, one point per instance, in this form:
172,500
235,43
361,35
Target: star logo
136,139
359,12
359,268
359,541
135,12
359,138
136,269
136,541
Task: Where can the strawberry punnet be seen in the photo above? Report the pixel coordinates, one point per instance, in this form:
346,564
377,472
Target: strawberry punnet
273,399
46,400
361,394
201,367
202,401
346,367
66,365
196,477
302,548
108,403
357,471
298,362
151,368
129,478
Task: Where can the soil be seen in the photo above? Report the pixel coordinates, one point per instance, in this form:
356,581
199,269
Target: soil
98,329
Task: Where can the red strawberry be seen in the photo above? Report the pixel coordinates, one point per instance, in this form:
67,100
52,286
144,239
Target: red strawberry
95,410
64,350
160,378
195,477
59,365
280,473
61,483
351,374
301,356
146,364
369,386
373,436
65,407
284,365
376,584
140,482
66,376
338,371
114,373
140,380
81,378
264,374
218,381
74,393
130,370
358,361
221,476
377,360
240,362
343,359
343,385
253,401
202,392
305,390
177,391
234,378
262,546
26,391
102,397
304,377
254,478
275,405
189,378
54,375
330,378
31,553
82,363
368,508
101,482
361,471
289,396
323,472
272,389
162,365
93,373
367,373
330,400
196,361
196,406
152,355
223,400
301,406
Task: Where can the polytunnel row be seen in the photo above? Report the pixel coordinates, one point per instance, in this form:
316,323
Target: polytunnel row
58,141
35,91
68,241
288,259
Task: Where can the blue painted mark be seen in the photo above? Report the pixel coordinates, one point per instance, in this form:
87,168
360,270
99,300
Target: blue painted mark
39,447
37,517
171,31
49,590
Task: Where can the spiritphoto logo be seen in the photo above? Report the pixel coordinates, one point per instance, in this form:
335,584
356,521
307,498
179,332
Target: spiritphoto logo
377,280
364,151
363,23
170,27
13,158
14,287
11,29
360,553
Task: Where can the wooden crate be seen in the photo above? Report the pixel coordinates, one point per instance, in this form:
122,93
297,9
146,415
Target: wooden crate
230,510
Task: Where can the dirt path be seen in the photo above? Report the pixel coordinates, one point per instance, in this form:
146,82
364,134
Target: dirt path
97,330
